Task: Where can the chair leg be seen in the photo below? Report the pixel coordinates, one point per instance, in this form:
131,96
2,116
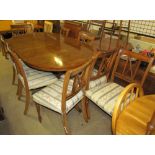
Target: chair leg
84,111
87,107
19,91
38,111
64,119
14,76
27,101
78,108
17,88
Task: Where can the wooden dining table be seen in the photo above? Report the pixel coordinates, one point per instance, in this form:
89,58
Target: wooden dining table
134,118
49,51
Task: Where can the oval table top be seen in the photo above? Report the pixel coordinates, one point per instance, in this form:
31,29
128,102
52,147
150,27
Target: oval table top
134,118
50,52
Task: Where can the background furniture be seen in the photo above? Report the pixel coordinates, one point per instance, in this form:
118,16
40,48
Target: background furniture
5,25
35,50
133,112
74,28
48,26
87,35
20,29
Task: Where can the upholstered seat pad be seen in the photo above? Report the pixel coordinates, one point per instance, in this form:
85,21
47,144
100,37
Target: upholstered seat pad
51,96
105,95
96,82
36,78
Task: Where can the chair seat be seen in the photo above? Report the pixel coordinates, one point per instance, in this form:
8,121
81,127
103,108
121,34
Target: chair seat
36,78
97,82
135,120
51,96
105,95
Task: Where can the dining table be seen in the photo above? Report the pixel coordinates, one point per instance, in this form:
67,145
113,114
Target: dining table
50,51
134,118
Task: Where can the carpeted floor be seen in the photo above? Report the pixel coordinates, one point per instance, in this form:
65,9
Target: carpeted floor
17,123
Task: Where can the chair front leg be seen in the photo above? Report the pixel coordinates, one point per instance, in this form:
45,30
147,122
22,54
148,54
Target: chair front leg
27,101
64,119
14,75
84,110
20,88
38,111
87,107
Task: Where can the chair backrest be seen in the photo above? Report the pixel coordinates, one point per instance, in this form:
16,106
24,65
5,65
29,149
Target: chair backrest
104,64
19,67
4,46
20,29
80,78
109,40
130,93
127,67
48,26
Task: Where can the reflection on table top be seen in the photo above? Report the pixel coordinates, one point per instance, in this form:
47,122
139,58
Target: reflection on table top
50,52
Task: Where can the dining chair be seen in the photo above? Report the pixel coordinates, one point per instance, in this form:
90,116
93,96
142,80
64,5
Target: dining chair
130,119
106,94
21,29
48,26
86,35
30,78
65,94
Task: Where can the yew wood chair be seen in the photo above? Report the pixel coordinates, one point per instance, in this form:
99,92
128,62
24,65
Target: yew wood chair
128,118
29,78
65,94
21,29
105,95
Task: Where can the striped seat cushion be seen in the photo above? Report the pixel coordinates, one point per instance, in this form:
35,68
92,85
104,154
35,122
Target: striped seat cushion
93,83
51,96
105,95
36,78
97,82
